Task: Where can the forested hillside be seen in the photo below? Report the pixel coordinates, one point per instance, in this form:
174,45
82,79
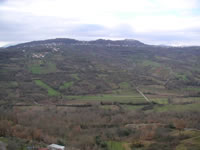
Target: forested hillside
103,95
64,67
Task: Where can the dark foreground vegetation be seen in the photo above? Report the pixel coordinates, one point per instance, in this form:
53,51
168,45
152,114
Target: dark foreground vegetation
100,95
99,128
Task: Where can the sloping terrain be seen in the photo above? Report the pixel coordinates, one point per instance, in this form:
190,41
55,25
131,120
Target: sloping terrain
70,69
100,95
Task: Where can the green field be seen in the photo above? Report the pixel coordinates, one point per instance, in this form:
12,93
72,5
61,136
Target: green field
109,98
9,84
181,76
75,76
192,143
42,68
124,85
132,107
150,63
192,89
66,85
160,100
113,145
51,91
177,108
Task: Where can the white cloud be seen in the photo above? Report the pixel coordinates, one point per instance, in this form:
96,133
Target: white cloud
177,4
68,8
51,18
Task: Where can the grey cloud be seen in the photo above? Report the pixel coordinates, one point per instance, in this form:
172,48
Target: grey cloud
2,1
20,27
191,35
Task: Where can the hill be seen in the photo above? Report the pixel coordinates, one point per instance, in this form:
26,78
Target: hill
100,95
66,67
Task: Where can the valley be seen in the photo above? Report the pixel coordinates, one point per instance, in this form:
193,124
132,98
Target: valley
102,94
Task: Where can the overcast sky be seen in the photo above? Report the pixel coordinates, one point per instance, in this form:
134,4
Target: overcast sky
150,21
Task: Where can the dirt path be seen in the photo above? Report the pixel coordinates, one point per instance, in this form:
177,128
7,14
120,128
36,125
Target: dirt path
2,146
143,95
36,102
